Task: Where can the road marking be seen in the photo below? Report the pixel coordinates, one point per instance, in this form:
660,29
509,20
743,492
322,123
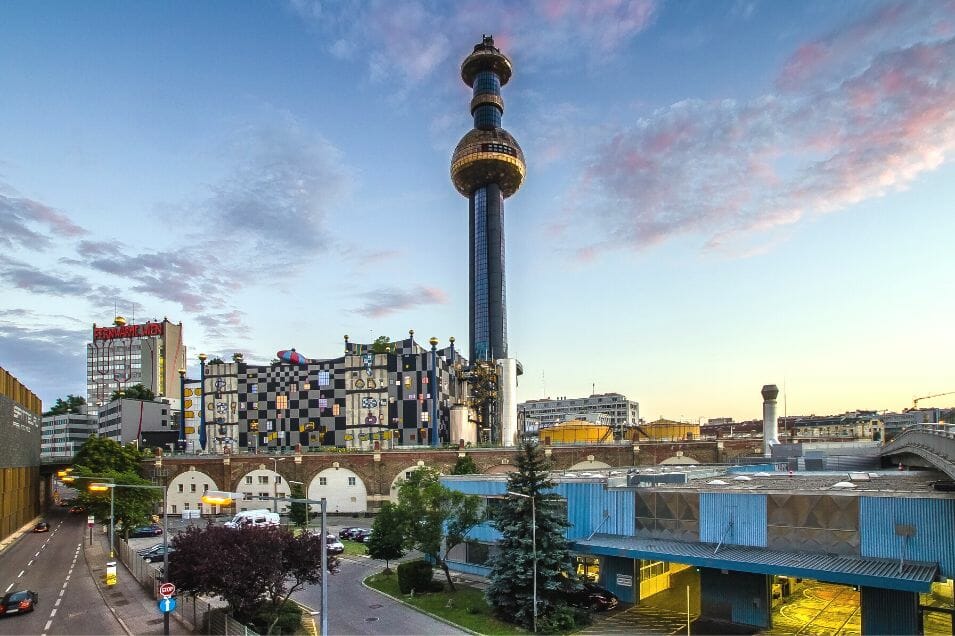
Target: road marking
68,576
58,601
48,623
36,555
21,573
62,592
53,613
64,586
8,588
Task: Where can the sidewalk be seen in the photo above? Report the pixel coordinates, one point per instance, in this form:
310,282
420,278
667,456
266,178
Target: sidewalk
134,608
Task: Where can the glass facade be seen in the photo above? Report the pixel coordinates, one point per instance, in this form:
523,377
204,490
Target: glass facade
480,337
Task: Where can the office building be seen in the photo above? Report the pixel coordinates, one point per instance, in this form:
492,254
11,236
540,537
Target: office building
63,434
123,355
620,412
20,427
142,422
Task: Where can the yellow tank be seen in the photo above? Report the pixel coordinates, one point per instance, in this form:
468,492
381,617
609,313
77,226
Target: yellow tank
576,432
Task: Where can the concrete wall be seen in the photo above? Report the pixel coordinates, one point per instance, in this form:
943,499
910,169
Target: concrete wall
735,597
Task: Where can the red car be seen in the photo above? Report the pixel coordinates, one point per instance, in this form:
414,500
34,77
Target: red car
77,510
18,602
43,526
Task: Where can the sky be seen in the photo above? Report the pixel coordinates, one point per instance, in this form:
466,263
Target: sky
720,194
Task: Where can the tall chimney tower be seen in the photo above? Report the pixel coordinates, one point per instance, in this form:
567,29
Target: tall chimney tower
770,433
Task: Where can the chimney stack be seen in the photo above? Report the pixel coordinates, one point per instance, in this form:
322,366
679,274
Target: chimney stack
770,432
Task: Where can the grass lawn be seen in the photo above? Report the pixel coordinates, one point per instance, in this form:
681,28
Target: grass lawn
353,548
437,603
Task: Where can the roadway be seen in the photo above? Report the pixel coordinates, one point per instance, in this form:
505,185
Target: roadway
359,611
52,565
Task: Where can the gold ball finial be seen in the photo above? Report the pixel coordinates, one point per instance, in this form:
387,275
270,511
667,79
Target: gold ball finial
237,357
182,373
433,341
411,332
119,321
451,339
203,357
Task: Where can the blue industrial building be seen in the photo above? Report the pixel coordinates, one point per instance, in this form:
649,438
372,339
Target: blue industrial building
748,540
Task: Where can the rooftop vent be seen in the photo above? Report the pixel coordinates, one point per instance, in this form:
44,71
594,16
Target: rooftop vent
859,476
761,474
742,478
716,482
844,484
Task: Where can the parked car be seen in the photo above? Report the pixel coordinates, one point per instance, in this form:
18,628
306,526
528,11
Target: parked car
158,555
43,526
362,535
76,510
333,546
343,533
145,531
18,602
594,597
354,532
150,549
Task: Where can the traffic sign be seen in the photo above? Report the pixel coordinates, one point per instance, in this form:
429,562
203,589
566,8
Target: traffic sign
167,589
167,604
90,521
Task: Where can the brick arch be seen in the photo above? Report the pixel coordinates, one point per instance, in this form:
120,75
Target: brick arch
677,460
269,487
589,464
500,469
340,495
177,501
400,477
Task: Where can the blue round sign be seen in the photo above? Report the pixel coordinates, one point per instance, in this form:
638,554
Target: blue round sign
167,604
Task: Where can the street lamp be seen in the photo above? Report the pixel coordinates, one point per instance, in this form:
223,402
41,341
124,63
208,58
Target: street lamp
275,483
182,405
534,543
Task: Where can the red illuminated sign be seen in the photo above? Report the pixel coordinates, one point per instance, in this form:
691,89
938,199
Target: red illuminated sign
128,331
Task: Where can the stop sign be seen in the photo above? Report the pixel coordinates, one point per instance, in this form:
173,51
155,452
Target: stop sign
167,589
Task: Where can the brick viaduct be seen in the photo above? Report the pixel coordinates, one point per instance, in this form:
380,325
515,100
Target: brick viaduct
378,470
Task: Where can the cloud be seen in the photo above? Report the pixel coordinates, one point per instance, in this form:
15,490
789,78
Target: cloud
728,169
387,301
277,198
49,360
414,39
29,224
224,325
24,276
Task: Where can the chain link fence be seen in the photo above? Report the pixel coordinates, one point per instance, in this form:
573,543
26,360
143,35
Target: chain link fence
202,616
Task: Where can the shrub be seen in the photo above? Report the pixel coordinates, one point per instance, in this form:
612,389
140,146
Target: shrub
415,575
290,619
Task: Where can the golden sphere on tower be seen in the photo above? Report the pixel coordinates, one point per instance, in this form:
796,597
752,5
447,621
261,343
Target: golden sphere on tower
488,156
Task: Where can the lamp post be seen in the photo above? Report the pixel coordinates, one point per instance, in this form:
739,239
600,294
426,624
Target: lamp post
533,542
434,391
275,483
202,400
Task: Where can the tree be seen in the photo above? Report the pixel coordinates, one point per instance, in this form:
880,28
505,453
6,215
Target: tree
251,568
510,588
483,389
465,466
382,344
298,512
71,404
101,459
432,513
135,392
387,535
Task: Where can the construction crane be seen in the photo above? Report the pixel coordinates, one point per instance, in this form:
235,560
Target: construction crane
915,401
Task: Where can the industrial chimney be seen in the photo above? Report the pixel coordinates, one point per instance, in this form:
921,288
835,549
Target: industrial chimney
770,433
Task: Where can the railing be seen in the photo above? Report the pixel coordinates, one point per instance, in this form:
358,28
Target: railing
933,442
203,616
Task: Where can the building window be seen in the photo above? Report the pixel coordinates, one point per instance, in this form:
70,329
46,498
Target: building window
281,401
476,553
351,481
174,509
248,479
185,506
323,481
336,410
180,487
264,494
324,378
278,479
263,479
205,487
192,488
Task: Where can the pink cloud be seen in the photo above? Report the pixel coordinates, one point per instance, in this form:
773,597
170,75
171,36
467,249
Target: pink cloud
727,170
384,302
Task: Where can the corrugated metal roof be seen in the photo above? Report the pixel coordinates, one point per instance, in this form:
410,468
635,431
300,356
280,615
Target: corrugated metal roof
834,568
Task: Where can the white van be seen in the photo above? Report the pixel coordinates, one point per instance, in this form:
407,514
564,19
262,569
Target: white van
253,519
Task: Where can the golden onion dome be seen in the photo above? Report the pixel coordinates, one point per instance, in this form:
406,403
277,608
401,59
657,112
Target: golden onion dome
119,321
487,156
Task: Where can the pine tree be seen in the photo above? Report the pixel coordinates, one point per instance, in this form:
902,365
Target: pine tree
387,535
510,591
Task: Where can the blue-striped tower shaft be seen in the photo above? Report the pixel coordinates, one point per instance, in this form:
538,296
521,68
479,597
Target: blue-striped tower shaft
487,167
